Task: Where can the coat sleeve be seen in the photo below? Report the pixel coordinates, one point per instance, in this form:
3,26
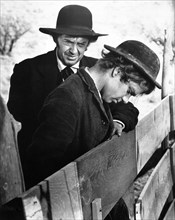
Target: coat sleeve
125,112
18,91
50,148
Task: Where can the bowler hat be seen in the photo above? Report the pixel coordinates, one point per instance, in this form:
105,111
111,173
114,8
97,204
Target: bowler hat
141,56
73,20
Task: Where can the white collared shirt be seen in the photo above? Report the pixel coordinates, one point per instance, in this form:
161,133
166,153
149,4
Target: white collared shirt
87,70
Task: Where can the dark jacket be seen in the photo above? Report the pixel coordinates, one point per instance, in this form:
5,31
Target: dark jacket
73,120
33,79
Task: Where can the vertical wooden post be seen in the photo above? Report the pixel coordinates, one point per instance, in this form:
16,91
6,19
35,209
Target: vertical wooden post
173,40
168,42
96,209
11,176
164,92
164,67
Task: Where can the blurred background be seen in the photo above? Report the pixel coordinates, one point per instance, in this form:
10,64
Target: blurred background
151,22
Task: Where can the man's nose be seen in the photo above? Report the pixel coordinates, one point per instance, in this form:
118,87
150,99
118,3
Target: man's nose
73,48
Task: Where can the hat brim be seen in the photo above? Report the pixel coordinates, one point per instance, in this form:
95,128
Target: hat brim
135,61
71,31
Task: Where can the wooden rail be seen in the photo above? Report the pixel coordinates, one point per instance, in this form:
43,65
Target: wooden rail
11,180
90,186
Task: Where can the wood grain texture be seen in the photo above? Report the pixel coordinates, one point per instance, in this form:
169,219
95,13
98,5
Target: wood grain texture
106,172
150,132
37,199
172,111
33,210
96,209
156,190
74,189
11,177
172,160
55,198
61,207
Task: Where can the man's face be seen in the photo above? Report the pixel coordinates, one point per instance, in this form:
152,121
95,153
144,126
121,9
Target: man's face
71,49
116,90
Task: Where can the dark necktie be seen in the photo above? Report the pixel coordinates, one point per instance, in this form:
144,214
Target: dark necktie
66,72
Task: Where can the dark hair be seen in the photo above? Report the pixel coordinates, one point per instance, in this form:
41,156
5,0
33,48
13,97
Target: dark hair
128,70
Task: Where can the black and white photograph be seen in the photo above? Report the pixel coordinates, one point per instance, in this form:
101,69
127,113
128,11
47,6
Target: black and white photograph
87,110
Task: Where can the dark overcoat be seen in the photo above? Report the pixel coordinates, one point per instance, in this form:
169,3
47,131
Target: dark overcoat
72,121
32,80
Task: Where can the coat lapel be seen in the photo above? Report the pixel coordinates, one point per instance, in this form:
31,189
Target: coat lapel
50,71
92,88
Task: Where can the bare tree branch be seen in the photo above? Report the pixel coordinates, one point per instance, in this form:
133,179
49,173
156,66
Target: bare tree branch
11,30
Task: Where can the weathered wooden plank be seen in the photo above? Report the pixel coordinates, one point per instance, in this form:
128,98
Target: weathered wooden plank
156,190
61,207
32,204
55,198
11,178
172,160
151,130
170,215
37,194
172,111
106,172
96,209
74,190
32,208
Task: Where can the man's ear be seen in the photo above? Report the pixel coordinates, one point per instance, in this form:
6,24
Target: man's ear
115,71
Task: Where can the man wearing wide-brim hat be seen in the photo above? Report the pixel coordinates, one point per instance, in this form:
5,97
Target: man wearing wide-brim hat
74,20
73,34
33,79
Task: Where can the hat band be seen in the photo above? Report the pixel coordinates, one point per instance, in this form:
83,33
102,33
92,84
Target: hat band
76,27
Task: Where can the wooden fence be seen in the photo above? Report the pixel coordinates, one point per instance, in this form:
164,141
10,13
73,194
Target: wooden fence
90,186
11,181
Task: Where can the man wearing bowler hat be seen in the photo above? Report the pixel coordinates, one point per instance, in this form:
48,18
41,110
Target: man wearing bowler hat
70,121
33,79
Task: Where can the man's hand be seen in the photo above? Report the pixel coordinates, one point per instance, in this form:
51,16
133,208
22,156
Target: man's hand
118,128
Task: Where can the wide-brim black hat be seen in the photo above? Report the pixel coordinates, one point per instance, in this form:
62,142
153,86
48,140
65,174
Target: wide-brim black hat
74,20
141,56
